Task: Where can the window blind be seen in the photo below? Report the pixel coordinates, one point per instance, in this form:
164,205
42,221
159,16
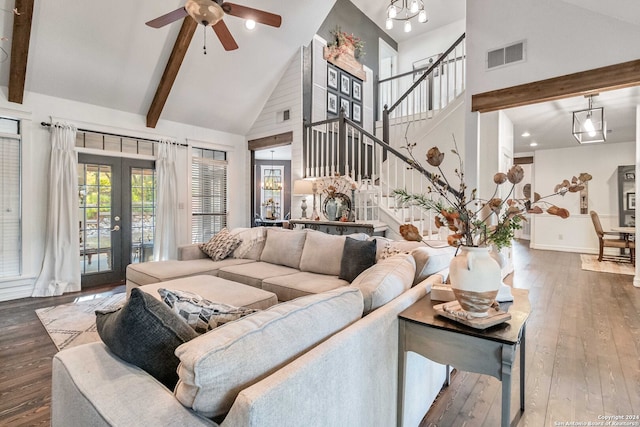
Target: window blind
208,194
10,214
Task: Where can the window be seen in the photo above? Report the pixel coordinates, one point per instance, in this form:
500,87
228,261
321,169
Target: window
208,193
10,202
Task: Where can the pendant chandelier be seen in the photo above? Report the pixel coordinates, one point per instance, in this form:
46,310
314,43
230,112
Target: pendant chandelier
589,125
271,180
398,10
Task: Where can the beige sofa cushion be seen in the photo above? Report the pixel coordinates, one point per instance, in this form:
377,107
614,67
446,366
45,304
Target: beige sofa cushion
430,260
322,253
254,275
216,366
301,284
153,272
385,281
253,240
283,247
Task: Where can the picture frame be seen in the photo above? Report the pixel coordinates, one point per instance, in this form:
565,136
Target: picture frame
630,175
332,78
631,201
332,103
357,90
346,105
356,114
345,84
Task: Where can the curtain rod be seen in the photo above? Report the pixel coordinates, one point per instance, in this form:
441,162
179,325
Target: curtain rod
45,124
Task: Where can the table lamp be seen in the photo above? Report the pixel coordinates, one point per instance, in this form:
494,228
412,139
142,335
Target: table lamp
303,187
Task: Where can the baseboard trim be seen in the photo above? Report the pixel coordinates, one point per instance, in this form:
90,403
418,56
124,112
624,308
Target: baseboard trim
564,249
22,288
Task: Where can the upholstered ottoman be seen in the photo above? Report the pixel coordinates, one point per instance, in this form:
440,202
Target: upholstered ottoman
217,290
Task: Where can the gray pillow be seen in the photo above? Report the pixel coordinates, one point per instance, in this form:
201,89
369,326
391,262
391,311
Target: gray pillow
145,332
357,256
200,313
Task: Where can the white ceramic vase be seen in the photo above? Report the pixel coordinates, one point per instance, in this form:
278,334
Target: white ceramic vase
475,279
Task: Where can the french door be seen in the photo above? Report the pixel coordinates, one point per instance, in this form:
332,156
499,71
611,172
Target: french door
117,216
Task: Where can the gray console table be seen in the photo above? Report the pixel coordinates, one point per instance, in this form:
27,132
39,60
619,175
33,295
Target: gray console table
342,228
491,351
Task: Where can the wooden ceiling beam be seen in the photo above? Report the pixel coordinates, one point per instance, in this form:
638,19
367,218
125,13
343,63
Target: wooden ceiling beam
171,70
602,79
272,141
20,49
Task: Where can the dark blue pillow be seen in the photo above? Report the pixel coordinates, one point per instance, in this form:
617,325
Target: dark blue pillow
145,332
357,256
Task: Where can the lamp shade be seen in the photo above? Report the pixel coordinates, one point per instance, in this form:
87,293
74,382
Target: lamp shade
302,187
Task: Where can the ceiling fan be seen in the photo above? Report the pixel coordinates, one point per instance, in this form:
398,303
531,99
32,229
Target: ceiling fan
211,12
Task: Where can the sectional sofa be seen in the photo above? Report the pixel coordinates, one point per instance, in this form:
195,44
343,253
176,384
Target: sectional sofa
325,356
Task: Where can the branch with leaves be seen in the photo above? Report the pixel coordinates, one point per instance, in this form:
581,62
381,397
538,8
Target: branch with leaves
473,221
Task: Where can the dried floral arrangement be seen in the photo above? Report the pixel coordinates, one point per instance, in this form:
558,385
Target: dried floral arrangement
341,41
476,222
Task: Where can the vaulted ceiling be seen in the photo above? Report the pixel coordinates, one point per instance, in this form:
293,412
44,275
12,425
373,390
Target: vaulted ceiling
101,53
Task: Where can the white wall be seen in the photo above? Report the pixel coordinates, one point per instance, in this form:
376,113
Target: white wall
560,39
427,44
35,163
286,95
576,233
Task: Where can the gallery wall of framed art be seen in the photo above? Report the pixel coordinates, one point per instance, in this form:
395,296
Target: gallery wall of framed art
343,91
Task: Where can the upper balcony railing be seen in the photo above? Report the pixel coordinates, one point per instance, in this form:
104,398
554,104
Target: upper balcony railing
421,93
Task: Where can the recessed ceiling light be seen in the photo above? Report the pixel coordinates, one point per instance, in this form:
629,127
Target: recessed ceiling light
533,144
526,134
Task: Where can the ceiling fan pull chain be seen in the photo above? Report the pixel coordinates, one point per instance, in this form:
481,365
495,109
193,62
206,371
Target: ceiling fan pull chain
204,46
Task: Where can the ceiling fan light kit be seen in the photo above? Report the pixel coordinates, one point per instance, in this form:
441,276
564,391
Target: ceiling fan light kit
589,126
210,13
205,12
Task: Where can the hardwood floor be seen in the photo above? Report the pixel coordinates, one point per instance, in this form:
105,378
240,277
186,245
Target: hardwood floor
583,352
25,359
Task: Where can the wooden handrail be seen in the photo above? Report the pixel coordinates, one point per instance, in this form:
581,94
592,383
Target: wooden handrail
433,66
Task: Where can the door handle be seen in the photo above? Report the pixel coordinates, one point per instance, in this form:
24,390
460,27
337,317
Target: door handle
116,228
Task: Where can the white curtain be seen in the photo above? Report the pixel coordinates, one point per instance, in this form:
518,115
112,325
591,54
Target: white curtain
165,242
61,266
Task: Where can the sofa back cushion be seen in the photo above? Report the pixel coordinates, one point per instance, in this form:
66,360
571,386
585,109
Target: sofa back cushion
252,242
322,253
216,366
385,280
283,247
431,260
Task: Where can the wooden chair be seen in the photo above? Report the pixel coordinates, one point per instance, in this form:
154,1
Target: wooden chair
617,242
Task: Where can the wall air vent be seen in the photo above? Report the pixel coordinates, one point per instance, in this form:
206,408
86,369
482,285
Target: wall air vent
506,55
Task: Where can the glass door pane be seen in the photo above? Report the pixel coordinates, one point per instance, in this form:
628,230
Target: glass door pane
143,214
95,192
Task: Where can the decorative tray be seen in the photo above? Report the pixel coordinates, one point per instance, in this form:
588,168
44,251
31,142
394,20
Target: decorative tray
452,310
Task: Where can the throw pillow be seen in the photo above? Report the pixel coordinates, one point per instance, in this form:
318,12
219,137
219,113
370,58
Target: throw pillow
201,314
220,245
357,256
145,332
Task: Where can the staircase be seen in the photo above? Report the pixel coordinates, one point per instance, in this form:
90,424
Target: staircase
378,165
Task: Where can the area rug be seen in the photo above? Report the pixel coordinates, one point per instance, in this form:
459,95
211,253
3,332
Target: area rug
591,263
73,324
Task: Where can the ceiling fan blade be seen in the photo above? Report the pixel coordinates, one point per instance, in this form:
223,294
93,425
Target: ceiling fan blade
170,17
223,33
250,13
